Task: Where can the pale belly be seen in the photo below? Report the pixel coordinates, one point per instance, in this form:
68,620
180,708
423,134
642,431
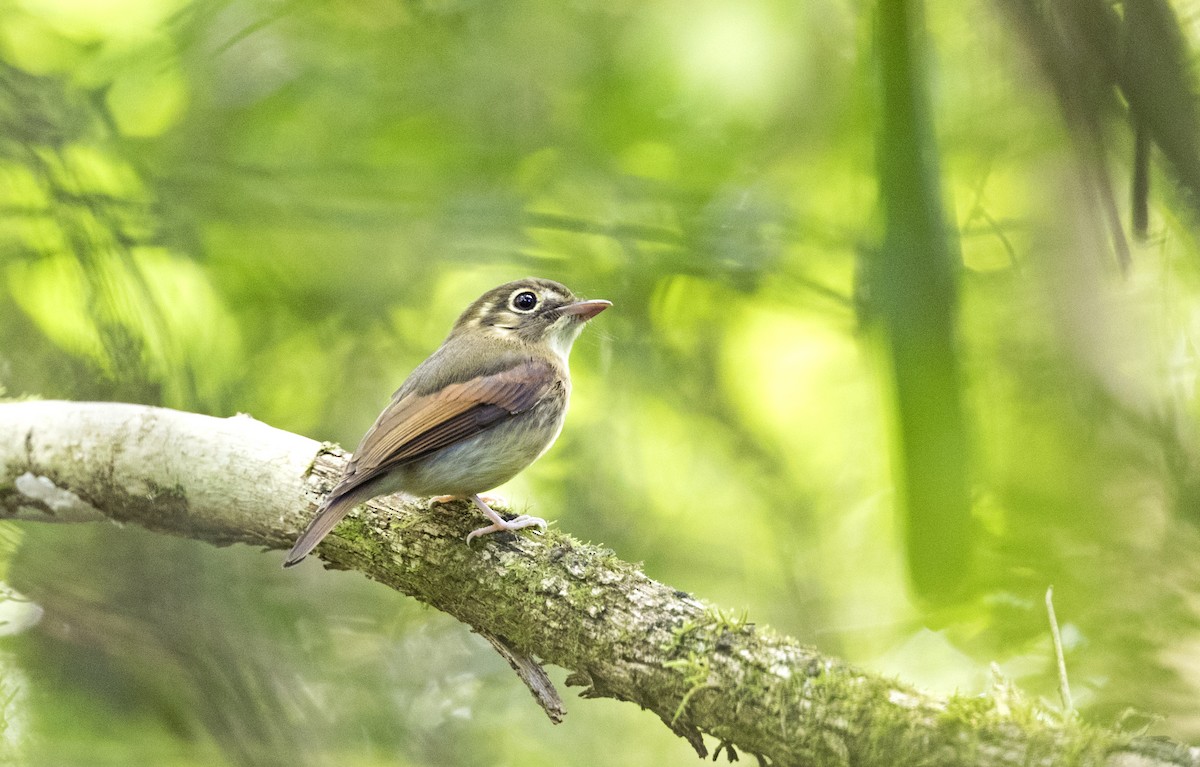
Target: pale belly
486,460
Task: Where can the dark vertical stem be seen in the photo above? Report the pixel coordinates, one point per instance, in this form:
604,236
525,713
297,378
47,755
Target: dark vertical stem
1140,188
1155,76
913,285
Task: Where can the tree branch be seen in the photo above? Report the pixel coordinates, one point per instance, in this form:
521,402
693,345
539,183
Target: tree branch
621,634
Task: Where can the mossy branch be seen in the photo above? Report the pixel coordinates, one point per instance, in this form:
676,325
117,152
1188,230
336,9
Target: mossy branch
621,634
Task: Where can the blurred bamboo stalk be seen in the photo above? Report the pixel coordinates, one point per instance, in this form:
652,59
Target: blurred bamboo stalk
912,287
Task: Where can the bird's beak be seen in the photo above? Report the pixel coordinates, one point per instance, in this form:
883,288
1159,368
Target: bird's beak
585,310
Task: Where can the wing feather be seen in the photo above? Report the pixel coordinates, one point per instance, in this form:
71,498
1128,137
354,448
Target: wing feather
415,425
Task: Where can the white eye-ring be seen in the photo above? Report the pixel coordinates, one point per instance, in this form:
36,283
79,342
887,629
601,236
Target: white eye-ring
523,301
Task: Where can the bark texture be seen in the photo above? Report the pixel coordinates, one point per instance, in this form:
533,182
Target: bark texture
621,634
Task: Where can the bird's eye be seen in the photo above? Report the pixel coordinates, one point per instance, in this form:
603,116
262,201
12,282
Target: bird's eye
525,301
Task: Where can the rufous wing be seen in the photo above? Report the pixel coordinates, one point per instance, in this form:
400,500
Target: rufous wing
415,425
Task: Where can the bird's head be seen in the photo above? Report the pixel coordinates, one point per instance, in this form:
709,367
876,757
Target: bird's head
531,311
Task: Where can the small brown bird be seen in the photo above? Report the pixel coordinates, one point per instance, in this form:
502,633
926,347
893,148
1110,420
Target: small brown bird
481,408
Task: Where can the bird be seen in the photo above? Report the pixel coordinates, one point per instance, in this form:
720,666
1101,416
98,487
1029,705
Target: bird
484,406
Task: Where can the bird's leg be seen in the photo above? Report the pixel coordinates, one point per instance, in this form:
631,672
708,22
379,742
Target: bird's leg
500,523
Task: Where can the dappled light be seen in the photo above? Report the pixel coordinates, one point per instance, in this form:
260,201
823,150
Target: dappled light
888,354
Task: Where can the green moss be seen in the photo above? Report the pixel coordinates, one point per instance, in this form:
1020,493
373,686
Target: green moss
732,622
696,670
324,449
680,634
716,630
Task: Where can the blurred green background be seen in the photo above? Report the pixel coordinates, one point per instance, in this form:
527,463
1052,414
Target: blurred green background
884,438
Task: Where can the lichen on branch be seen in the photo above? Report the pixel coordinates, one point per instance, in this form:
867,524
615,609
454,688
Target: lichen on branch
619,633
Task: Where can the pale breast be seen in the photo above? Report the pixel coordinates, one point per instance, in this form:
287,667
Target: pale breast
491,457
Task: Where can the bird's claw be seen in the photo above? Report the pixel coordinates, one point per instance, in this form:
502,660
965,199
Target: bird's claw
517,523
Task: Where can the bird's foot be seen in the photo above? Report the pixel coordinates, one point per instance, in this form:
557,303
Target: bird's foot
517,523
500,523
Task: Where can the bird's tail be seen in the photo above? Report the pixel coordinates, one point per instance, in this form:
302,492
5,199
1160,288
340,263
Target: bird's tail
330,513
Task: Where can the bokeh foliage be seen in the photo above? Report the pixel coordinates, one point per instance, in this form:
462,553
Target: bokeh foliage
280,207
